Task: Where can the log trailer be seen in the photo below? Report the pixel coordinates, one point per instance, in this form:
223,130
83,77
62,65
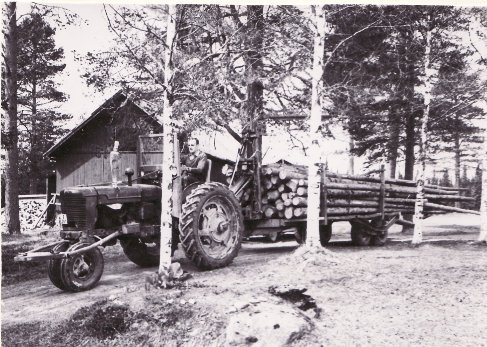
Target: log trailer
211,218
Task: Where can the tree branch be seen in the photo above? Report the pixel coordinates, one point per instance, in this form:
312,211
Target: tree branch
132,53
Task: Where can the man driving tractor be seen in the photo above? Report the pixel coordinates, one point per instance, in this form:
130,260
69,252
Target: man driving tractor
193,165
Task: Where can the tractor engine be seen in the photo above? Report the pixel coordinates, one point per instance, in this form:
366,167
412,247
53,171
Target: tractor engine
107,207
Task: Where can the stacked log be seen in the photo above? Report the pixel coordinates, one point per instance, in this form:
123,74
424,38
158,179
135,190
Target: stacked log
284,195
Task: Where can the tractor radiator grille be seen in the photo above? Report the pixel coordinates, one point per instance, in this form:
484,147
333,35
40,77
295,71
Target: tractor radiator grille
75,208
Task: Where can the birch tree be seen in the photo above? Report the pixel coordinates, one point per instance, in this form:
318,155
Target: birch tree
313,236
168,145
427,90
9,111
483,199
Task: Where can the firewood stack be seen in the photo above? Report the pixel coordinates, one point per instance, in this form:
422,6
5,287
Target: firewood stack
285,192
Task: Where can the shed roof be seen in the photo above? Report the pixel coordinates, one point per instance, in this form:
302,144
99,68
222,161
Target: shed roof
119,98
219,144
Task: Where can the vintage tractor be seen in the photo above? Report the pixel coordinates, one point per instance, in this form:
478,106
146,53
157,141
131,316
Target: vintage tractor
207,219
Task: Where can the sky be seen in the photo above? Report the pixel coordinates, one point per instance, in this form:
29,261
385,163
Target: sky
91,34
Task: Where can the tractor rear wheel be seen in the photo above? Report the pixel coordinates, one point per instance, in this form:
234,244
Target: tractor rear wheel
140,253
54,266
82,271
211,226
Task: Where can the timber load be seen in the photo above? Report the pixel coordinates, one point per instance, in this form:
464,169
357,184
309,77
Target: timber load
346,197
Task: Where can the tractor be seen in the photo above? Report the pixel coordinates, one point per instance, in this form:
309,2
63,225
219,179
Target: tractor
208,220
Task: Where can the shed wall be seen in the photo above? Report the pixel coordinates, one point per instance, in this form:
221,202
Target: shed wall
89,169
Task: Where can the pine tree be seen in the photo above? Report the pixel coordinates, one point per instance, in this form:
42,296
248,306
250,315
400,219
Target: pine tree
39,61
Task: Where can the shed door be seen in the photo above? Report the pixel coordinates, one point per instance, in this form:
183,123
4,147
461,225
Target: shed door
149,152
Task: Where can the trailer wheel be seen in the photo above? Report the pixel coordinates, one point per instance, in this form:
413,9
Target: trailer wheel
359,236
82,271
300,234
54,266
140,253
273,236
325,234
379,240
211,226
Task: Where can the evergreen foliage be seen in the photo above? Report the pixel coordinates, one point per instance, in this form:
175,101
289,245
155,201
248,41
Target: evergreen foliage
40,122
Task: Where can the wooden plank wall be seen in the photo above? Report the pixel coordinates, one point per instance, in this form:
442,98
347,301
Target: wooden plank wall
81,169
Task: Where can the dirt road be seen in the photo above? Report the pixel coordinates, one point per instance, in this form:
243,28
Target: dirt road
434,295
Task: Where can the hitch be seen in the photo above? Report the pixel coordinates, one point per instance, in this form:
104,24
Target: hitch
41,253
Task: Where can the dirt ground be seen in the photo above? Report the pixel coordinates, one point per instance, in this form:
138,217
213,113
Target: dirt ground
431,295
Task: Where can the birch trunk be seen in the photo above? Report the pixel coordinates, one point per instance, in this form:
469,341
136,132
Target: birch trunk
313,213
420,198
483,199
9,124
168,147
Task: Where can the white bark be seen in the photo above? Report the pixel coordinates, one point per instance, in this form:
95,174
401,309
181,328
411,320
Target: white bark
351,158
168,148
483,199
313,236
428,86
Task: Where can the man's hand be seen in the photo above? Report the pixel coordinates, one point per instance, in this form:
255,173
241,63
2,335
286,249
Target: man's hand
184,168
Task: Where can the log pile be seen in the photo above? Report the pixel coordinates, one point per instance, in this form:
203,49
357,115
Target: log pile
285,191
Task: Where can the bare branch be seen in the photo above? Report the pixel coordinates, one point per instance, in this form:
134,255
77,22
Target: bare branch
132,53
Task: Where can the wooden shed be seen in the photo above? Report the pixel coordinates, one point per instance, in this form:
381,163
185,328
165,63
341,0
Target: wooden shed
82,156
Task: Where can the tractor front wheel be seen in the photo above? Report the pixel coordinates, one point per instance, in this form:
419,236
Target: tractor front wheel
81,271
211,226
54,266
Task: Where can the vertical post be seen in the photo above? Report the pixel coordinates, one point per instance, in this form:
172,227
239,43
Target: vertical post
483,195
382,192
177,188
138,155
324,196
257,174
351,160
115,164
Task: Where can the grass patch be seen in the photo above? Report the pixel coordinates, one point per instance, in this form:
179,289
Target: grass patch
107,323
93,325
15,272
103,320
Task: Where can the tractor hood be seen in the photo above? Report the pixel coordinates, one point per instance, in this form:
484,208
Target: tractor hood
107,195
